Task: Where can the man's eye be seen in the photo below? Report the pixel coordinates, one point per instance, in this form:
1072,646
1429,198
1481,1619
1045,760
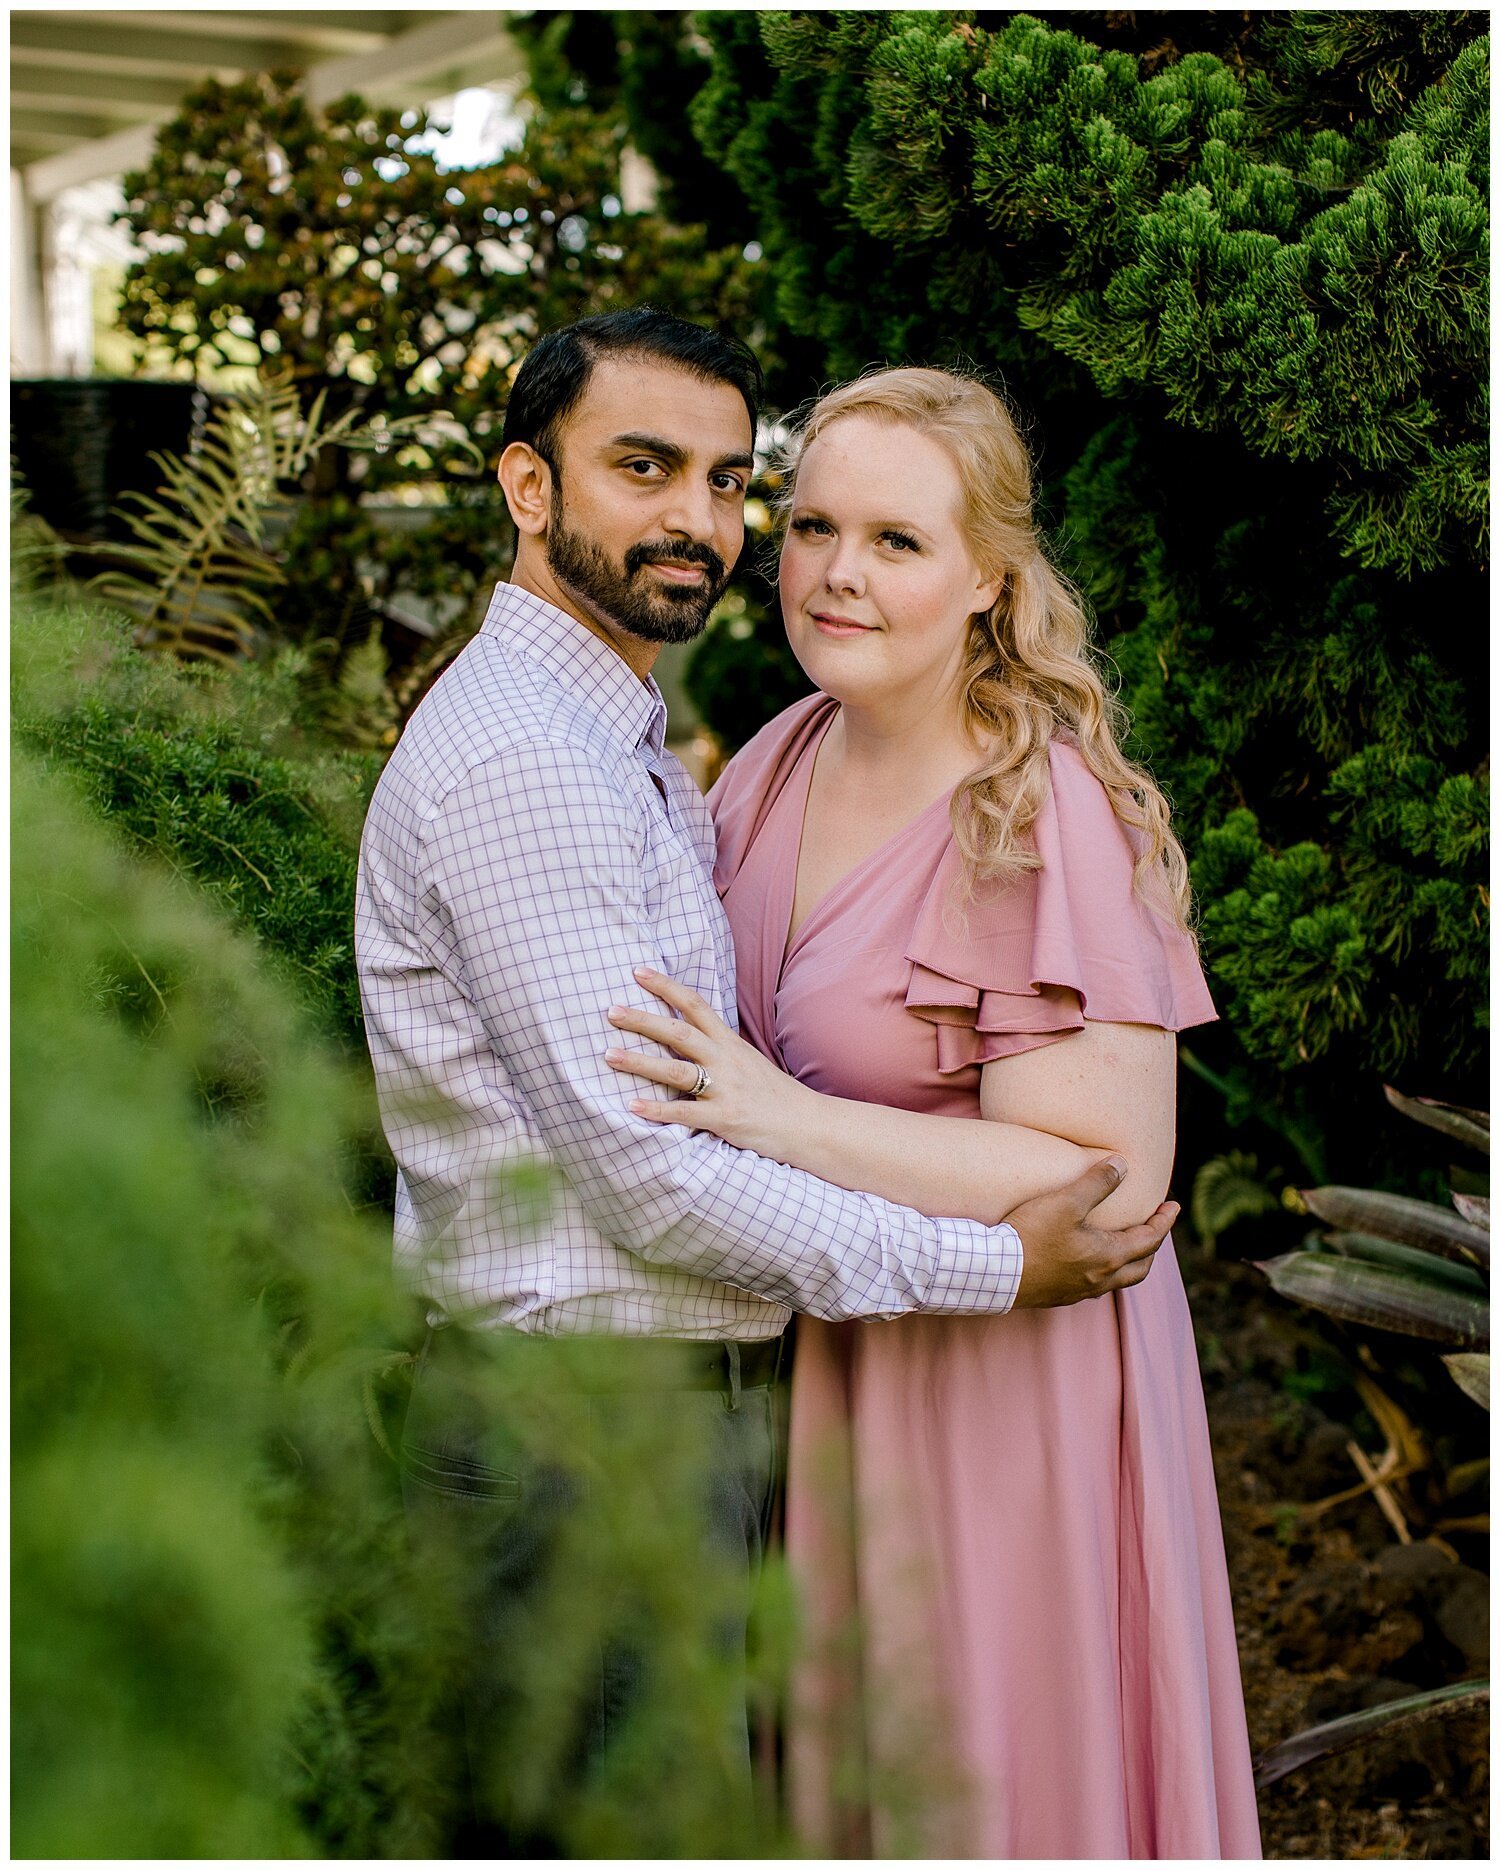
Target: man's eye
642,469
728,483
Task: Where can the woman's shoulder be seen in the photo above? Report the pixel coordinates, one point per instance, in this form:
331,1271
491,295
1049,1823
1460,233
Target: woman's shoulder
1073,938
1079,810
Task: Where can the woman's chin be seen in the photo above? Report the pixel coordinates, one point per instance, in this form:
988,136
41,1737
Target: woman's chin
846,671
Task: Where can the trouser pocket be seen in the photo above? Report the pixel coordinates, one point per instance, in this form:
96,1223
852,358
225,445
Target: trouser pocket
456,1475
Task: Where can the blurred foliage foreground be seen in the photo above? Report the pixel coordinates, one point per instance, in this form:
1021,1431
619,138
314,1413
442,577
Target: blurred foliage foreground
222,1645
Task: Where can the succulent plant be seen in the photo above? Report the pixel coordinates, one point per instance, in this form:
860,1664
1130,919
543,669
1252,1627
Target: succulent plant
1413,1267
1404,1265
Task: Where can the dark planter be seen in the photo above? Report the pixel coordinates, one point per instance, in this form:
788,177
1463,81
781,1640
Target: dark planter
81,442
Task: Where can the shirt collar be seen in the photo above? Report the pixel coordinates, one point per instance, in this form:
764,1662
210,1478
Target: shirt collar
629,707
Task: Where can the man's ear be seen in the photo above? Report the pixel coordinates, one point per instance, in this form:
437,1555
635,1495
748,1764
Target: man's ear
526,481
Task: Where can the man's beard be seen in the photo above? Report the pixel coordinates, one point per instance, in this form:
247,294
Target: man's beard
628,596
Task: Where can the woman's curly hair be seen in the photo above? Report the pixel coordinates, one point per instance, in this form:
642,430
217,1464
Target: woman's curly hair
1031,672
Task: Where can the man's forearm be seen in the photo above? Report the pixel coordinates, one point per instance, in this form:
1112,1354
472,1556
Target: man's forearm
785,1235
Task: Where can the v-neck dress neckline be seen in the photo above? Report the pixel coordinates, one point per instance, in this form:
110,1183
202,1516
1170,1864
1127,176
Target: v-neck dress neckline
799,789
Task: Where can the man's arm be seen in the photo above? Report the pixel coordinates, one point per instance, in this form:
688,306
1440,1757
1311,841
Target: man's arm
533,899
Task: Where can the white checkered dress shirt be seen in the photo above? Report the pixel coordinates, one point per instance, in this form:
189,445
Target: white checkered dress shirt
528,844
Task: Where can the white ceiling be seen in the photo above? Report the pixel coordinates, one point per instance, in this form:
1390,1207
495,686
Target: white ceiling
89,88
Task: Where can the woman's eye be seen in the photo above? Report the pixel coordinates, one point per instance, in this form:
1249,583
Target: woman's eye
809,525
903,541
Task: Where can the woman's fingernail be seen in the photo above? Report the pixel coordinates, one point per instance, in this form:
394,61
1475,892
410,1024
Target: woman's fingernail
644,973
616,1012
638,1106
613,1057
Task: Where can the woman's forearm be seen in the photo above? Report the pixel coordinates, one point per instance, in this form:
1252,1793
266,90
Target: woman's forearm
963,1166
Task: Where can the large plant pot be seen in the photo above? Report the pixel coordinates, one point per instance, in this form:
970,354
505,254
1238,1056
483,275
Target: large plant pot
82,442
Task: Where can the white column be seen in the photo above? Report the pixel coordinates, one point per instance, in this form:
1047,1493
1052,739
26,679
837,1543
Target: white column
639,182
29,347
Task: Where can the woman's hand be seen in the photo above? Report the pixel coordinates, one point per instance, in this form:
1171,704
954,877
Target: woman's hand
749,1102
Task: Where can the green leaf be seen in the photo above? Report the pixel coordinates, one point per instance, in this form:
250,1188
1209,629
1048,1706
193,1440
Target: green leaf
1380,1296
1226,1190
1351,1729
1401,1218
1370,1247
1467,1126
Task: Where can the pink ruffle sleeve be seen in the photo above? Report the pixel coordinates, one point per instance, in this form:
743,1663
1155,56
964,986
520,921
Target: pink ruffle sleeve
1025,965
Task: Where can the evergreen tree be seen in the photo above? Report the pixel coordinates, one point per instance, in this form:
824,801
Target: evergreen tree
1232,269
273,232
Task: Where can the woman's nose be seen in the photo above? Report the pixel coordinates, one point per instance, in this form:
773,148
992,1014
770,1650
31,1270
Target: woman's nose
844,574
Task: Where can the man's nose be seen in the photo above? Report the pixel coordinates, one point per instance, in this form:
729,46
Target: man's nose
689,513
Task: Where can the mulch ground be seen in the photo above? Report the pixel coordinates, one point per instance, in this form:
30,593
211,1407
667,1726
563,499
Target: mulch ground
1334,1611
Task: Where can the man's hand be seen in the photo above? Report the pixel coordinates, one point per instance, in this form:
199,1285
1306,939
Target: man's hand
1064,1259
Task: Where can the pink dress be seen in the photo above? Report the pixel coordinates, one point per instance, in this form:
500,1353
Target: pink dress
1018,1637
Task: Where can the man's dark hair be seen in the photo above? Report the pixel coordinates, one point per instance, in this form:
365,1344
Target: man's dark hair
557,369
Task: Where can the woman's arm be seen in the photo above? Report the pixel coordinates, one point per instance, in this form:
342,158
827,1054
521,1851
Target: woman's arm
1109,1087
1042,1124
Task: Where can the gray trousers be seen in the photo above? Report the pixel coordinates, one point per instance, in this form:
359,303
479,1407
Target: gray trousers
594,1534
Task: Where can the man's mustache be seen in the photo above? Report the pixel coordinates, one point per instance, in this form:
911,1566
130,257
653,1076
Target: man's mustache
690,553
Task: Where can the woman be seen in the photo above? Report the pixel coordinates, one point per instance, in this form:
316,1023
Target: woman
960,922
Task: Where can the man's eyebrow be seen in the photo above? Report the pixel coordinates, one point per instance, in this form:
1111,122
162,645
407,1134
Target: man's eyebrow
651,445
669,451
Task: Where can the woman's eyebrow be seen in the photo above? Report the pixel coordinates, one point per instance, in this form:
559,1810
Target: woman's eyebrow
801,511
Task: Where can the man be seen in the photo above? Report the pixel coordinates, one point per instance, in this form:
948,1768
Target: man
529,844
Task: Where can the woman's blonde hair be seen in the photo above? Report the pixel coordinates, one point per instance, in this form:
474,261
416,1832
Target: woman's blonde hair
1030,671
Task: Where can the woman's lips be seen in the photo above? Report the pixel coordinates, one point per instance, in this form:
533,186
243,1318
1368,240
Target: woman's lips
829,625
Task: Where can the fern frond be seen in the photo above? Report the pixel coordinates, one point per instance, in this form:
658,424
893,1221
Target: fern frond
1230,1188
199,570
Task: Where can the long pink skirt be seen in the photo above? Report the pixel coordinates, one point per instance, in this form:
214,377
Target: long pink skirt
1019,1639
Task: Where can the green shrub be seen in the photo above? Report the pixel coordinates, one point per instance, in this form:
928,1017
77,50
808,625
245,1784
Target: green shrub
223,1644
212,772
208,1608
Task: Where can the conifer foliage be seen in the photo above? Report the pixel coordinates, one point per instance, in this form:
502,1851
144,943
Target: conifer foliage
1232,267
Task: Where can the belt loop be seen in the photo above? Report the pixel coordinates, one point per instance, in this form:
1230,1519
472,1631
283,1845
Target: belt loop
732,1357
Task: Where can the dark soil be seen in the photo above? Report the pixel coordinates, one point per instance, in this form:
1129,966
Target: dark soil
1334,1612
